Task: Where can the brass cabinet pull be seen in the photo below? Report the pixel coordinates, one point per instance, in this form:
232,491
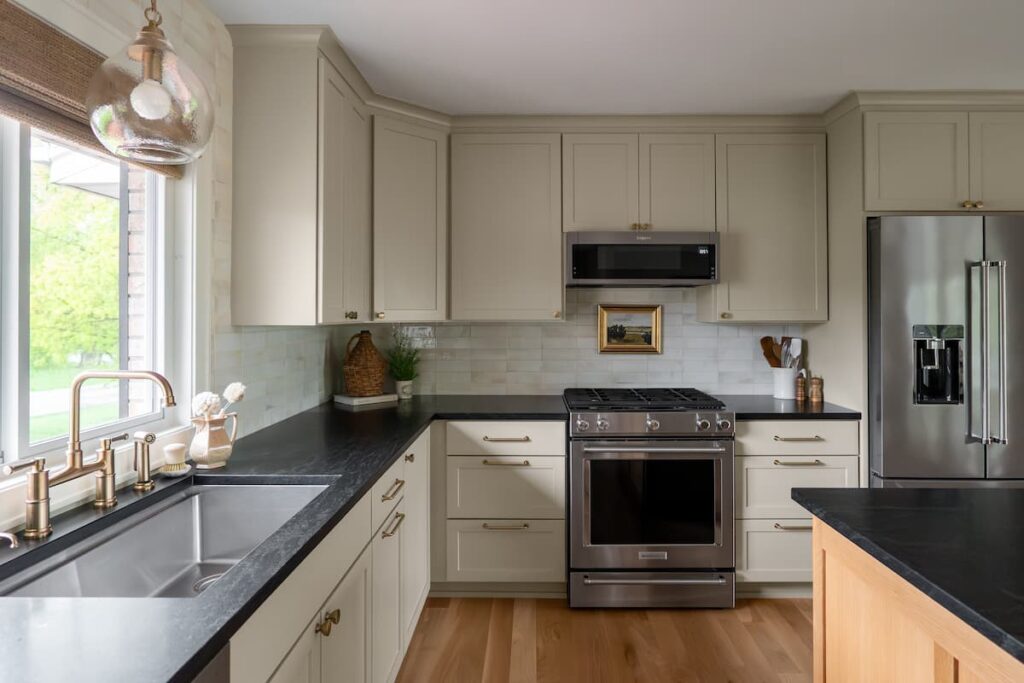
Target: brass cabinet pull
967,204
410,457
506,527
798,439
792,527
331,618
352,315
979,205
726,315
380,315
508,439
393,529
393,491
525,463
797,463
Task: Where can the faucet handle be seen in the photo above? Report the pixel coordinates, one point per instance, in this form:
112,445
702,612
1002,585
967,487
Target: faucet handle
35,464
108,442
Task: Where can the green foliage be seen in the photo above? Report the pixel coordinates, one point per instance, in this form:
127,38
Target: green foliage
403,359
74,267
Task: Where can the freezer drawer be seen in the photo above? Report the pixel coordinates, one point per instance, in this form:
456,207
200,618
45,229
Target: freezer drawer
652,589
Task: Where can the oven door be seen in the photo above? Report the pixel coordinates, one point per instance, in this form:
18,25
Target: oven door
651,504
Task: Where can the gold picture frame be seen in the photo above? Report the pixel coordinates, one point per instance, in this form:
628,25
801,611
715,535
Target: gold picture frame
628,329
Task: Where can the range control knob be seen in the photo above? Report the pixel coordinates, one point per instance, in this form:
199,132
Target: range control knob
582,425
703,424
652,424
602,424
724,424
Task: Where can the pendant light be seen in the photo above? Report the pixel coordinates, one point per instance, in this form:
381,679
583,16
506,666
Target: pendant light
146,104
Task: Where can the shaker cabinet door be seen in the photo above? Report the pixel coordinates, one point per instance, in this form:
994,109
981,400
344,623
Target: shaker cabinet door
997,160
677,182
600,185
915,161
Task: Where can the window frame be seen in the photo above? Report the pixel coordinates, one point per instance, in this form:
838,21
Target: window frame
164,313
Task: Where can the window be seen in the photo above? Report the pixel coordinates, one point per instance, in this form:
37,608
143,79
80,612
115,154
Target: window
82,282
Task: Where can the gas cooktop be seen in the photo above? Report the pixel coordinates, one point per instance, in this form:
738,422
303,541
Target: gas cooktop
640,399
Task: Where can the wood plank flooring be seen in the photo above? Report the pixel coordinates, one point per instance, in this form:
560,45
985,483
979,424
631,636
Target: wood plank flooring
476,640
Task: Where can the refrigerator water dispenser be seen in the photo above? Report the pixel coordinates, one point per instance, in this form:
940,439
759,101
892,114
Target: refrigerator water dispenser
938,364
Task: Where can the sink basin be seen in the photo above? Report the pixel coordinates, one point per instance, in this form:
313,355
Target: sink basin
176,548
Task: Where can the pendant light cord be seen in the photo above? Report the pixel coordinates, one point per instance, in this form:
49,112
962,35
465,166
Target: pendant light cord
153,15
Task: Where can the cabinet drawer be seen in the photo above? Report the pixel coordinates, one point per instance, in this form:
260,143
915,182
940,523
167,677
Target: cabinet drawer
798,437
506,550
386,493
504,486
773,550
764,484
512,437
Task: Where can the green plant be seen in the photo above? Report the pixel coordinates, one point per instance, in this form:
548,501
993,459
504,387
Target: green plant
403,359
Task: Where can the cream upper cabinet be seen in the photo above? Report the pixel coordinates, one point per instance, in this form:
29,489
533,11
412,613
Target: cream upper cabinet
601,181
997,160
916,161
677,182
506,227
300,210
771,206
615,181
410,221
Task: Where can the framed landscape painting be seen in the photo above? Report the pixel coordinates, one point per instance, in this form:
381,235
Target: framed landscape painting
629,329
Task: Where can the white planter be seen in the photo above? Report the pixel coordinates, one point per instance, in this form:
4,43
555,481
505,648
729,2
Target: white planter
403,388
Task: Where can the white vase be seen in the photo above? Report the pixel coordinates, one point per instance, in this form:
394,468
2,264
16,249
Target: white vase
211,446
403,388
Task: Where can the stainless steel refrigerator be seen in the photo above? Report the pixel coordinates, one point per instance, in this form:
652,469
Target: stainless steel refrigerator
945,343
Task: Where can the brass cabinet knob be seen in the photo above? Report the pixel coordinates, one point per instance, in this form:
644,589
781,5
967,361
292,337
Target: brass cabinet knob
410,457
979,205
967,204
645,226
726,315
352,315
558,314
330,619
380,316
634,226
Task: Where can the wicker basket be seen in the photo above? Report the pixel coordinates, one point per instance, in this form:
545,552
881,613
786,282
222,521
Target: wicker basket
363,367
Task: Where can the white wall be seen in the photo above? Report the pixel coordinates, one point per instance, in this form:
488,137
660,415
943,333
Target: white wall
519,358
283,368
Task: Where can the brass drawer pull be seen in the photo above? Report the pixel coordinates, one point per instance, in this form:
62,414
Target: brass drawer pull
508,439
393,491
393,529
797,463
792,527
410,457
525,463
506,527
798,439
331,618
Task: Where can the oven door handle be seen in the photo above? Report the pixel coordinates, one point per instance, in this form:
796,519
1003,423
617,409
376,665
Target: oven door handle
649,449
717,581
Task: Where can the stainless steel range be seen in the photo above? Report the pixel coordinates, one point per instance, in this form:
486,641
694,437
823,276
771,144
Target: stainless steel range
650,499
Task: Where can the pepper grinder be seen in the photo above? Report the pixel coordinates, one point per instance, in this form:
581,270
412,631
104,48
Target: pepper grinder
817,390
801,389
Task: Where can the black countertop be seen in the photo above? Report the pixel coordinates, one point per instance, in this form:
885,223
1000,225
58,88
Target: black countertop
960,547
748,407
172,639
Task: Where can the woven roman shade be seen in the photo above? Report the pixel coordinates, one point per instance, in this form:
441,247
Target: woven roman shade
44,75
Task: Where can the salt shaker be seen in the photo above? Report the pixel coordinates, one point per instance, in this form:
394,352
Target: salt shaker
817,390
801,389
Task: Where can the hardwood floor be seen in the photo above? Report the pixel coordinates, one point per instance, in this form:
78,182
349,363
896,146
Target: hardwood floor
470,640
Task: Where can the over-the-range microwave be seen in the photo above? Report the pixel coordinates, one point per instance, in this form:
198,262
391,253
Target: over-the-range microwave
641,259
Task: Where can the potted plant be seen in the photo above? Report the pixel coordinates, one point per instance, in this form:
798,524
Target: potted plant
403,363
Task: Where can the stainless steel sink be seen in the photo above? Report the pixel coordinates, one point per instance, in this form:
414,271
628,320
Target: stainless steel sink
177,548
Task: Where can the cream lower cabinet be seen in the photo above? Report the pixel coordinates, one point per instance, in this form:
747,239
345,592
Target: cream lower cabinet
773,534
613,181
506,244
410,221
301,210
772,222
347,612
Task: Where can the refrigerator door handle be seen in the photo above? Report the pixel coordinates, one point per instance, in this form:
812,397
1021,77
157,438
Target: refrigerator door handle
1001,358
980,339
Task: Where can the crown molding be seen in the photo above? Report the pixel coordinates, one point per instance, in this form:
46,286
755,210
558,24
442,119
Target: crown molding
963,100
646,123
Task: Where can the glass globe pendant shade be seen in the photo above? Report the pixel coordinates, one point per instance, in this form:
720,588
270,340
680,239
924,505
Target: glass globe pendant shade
146,104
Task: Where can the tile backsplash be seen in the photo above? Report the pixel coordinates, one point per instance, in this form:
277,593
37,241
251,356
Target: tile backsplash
545,358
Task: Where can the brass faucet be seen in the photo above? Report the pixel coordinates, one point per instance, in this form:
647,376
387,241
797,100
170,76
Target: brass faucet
39,479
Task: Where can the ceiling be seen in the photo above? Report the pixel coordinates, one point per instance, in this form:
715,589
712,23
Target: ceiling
660,56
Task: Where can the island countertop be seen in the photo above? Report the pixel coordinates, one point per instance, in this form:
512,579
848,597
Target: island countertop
960,547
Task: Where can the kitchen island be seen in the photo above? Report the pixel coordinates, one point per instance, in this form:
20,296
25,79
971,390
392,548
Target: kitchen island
917,584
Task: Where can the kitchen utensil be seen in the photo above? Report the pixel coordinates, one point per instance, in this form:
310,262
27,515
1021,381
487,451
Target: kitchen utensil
786,357
796,348
768,348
